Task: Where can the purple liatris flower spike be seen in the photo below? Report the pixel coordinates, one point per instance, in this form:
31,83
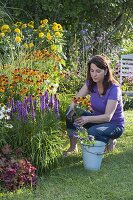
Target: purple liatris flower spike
30,100
32,113
42,105
51,101
24,112
19,109
12,105
34,104
46,100
56,105
25,100
46,96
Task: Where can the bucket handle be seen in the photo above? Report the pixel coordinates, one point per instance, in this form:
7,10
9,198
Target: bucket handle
93,152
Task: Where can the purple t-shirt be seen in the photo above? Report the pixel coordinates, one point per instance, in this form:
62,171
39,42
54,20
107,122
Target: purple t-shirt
98,103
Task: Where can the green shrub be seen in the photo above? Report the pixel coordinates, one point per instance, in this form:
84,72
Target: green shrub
37,130
128,102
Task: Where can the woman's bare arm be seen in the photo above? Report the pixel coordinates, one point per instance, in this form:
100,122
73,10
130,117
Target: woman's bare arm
106,117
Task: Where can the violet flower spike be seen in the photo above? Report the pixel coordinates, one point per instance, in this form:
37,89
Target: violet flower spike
19,109
30,100
32,113
46,96
46,100
51,101
56,107
25,100
12,105
34,104
55,104
26,108
24,112
42,103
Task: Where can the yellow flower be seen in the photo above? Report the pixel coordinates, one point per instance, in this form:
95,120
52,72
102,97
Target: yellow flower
41,35
2,34
49,37
31,45
53,47
57,34
44,21
24,25
54,24
55,27
25,45
59,27
17,30
31,23
2,89
18,23
18,39
31,26
5,28
41,26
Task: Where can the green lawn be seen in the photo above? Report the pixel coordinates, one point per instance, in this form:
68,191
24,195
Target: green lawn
114,181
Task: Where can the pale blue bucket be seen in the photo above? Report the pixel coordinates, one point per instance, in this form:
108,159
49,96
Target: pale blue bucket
92,155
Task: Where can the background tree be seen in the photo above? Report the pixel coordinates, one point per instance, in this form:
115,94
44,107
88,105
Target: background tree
94,25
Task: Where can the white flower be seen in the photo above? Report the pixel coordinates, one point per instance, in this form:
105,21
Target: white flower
47,81
8,110
56,85
7,117
1,115
3,109
9,126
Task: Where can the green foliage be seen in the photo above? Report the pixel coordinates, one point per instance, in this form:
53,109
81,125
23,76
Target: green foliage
17,37
82,184
116,19
127,84
46,143
127,46
39,140
36,128
128,102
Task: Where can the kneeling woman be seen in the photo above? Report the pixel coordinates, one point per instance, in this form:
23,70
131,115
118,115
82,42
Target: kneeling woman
106,123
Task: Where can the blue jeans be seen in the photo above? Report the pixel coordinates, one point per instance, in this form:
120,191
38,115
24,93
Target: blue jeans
101,131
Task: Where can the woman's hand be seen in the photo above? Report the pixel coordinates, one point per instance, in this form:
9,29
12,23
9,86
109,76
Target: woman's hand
81,120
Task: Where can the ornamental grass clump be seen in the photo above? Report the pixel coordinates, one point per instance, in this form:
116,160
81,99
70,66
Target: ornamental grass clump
37,129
